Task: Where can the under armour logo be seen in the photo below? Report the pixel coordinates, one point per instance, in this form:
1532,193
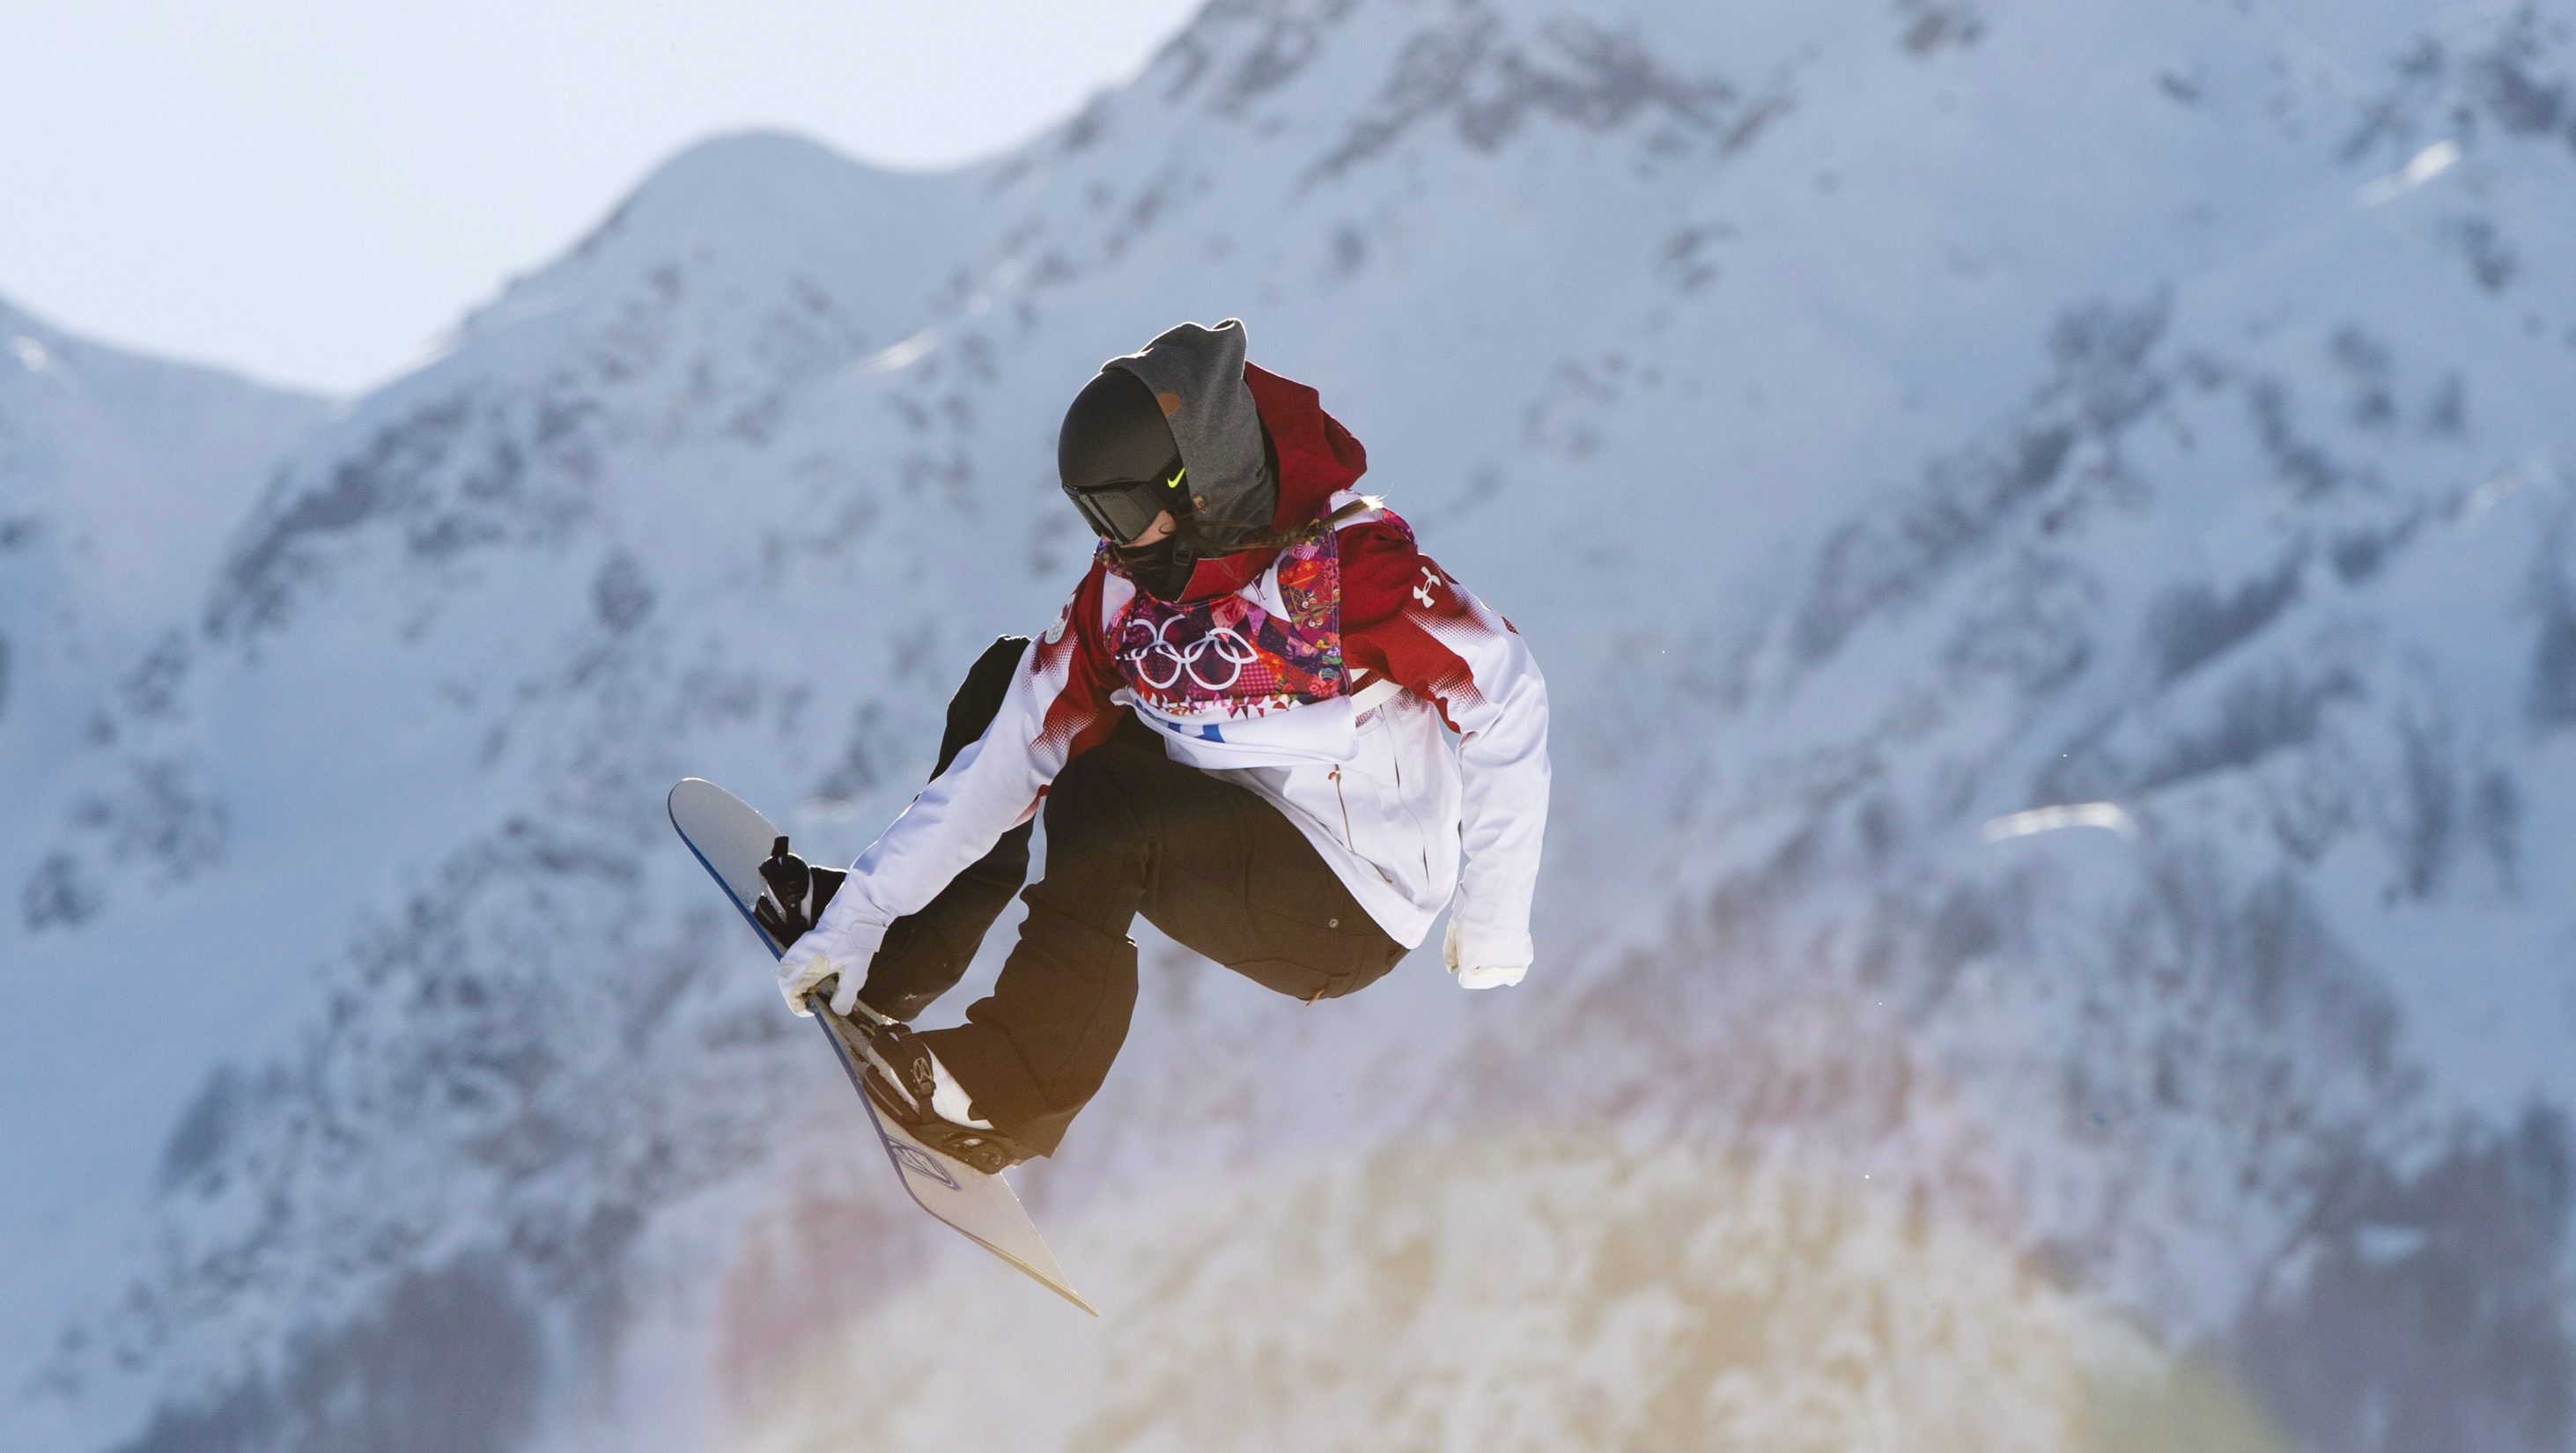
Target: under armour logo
1430,582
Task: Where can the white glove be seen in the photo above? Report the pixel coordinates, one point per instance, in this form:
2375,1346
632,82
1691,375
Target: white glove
1477,976
817,956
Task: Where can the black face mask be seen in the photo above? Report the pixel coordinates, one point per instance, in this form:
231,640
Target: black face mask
1161,570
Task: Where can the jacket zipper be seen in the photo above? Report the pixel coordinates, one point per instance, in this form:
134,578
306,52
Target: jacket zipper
1396,760
1347,842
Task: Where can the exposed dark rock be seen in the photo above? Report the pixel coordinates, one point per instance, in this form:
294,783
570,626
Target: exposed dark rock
2100,386
151,688
1687,260
206,1128
1932,25
1291,37
161,811
620,595
2032,624
2358,555
382,475
2551,699
2258,714
2426,1309
2447,416
2300,462
451,1363
2495,820
2492,260
1489,86
857,771
1350,250
2366,362
59,894
2507,79
2191,625
2431,809
1962,930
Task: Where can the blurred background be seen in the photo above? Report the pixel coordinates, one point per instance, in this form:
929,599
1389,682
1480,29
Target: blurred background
2051,533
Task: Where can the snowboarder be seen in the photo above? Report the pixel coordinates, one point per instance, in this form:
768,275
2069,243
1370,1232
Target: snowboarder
1235,728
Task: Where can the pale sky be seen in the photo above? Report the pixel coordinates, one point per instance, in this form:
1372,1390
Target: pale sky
311,191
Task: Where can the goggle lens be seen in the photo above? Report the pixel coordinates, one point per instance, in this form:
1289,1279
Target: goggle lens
1120,510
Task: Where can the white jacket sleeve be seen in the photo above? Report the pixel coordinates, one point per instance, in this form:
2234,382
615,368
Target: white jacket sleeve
1503,781
1057,704
1405,616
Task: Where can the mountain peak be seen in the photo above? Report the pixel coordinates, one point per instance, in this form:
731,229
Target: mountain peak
763,175
747,209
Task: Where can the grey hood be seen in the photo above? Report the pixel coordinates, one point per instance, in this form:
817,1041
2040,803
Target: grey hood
1196,374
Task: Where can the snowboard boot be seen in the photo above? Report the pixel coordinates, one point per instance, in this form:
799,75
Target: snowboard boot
909,1086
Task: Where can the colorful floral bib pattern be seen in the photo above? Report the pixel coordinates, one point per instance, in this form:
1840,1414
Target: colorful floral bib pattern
1230,656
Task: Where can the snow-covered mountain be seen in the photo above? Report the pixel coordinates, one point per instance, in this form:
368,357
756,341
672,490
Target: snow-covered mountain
1888,422
121,477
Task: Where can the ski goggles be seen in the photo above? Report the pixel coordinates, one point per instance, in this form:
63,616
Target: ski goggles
1119,510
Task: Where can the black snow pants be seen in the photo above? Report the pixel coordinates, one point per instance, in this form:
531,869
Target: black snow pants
1129,831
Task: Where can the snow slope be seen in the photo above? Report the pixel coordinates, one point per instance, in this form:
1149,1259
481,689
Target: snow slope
119,477
1886,422
122,475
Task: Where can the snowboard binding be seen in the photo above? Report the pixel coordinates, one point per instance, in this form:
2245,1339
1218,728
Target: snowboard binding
731,839
797,895
900,1081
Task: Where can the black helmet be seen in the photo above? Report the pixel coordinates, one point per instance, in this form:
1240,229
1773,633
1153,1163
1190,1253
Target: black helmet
1117,459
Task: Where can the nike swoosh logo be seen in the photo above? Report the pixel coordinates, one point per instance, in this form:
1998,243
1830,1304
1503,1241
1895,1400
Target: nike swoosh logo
1175,481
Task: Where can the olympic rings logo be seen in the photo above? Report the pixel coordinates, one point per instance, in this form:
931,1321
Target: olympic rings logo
1177,661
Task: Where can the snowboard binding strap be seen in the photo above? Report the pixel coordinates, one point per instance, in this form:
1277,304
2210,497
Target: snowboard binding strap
797,895
900,1082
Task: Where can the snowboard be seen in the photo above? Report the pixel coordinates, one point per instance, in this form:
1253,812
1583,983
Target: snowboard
732,840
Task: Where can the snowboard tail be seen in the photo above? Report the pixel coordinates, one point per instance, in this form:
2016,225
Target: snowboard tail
732,840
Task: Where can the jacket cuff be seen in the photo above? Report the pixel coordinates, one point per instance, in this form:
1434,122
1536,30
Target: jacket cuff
1486,945
845,935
